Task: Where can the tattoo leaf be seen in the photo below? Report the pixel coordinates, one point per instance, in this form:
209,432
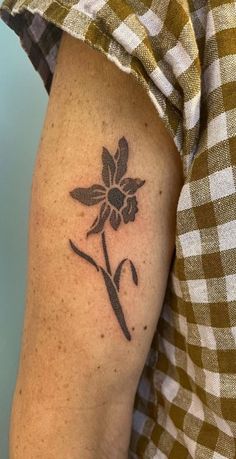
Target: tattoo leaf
118,273
134,273
115,302
83,255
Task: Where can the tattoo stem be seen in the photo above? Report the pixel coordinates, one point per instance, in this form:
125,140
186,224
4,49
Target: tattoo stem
104,246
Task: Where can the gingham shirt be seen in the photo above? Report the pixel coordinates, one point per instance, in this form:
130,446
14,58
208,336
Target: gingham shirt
183,52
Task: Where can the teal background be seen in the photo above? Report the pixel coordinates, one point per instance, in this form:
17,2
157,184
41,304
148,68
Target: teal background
23,102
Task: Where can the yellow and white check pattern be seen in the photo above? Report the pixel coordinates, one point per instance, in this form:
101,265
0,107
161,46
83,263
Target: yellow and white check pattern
183,52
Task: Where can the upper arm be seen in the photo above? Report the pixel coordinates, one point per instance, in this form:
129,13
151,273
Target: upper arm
73,321
94,111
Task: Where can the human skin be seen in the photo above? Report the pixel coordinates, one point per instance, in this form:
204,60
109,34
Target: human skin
78,373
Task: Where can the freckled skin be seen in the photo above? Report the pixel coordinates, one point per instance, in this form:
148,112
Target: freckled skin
77,135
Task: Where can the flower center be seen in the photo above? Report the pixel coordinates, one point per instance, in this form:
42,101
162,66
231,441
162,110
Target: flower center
116,198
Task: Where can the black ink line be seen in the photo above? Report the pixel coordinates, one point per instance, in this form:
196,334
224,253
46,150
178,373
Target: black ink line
104,246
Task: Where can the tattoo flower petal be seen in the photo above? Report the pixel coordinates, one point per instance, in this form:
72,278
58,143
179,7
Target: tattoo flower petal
130,210
109,167
130,185
115,219
98,223
121,158
89,196
117,195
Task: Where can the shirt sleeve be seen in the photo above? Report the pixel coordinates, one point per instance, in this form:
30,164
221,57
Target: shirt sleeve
156,44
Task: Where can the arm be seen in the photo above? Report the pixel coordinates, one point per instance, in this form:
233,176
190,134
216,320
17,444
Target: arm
87,332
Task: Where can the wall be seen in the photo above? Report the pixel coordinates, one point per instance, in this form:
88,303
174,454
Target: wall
23,102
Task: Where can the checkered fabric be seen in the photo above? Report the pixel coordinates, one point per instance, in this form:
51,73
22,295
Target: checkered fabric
183,52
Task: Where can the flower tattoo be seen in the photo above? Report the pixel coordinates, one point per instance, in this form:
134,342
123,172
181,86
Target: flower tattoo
117,196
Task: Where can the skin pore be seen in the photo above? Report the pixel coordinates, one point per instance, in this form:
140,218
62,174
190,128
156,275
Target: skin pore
90,316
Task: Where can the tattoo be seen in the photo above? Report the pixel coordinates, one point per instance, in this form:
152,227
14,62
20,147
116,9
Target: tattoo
117,196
